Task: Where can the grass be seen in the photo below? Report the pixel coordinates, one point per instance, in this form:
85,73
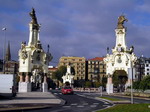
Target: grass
128,108
111,99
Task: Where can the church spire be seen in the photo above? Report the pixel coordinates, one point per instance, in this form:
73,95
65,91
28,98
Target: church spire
8,54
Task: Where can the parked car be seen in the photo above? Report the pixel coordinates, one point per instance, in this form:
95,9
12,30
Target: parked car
67,90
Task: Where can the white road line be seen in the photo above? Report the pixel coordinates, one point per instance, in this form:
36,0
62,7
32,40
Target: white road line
74,104
66,106
55,93
93,105
80,106
106,103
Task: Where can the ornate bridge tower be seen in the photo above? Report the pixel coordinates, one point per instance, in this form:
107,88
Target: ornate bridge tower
33,60
121,59
68,78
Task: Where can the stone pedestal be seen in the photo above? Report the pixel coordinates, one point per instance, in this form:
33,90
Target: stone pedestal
109,86
24,87
44,87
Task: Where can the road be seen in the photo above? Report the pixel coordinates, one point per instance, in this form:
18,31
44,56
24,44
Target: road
136,100
75,103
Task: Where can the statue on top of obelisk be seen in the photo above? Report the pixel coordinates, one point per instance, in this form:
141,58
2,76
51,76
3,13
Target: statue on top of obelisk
121,20
33,16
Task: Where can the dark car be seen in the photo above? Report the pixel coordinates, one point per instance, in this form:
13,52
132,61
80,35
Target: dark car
67,90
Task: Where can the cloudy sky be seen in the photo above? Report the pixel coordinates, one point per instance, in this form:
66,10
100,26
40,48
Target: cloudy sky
83,28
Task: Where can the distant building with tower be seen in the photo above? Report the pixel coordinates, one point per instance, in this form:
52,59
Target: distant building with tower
10,66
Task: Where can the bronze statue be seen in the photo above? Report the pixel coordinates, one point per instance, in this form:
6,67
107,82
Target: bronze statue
33,16
121,20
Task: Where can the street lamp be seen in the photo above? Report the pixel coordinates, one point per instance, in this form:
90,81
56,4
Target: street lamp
132,101
4,30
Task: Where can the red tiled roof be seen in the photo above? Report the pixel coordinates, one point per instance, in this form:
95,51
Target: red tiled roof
96,59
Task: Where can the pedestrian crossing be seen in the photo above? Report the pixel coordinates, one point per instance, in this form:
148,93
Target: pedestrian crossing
57,93
92,105
76,105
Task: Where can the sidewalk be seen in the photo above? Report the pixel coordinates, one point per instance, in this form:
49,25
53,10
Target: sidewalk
30,100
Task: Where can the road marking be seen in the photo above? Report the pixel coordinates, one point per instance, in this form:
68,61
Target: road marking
60,93
106,103
93,105
74,104
66,106
85,103
55,93
80,106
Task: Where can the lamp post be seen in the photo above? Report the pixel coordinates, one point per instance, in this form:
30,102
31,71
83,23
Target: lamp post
4,30
132,83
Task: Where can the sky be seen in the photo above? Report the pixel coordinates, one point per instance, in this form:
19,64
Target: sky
83,28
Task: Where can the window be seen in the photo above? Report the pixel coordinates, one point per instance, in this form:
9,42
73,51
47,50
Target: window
147,69
80,59
146,65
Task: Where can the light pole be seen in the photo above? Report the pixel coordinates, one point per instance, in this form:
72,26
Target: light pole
4,30
132,83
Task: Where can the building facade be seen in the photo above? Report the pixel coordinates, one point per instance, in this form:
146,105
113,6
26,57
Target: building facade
96,69
78,63
51,70
147,66
11,66
1,65
140,68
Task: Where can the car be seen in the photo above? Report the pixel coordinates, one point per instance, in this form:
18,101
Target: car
67,90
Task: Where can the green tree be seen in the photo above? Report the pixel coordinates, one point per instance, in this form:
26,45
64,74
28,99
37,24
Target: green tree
136,85
97,84
88,84
59,73
104,81
145,83
73,70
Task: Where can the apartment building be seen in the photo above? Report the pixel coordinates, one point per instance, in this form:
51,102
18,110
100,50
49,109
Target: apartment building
78,63
96,69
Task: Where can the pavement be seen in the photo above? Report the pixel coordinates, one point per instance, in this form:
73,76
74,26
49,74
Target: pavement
30,100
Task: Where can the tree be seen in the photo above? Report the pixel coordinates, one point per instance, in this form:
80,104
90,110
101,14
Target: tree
97,84
72,71
145,83
136,85
104,81
88,84
59,73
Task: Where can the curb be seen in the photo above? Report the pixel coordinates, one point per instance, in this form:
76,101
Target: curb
31,107
115,102
143,98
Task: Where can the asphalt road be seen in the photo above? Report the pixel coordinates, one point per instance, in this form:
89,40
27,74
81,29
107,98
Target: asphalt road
136,100
75,103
